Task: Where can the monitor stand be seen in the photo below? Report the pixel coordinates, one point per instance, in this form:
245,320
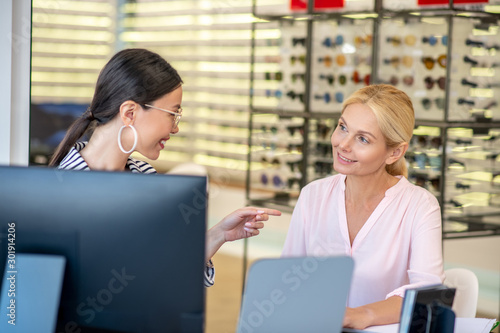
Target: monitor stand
31,291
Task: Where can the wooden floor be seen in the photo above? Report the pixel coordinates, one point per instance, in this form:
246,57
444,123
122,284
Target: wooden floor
223,299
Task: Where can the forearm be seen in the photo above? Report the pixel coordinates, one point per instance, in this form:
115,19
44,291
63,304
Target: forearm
378,313
215,239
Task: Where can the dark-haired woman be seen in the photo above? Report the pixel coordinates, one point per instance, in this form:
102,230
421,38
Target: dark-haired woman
136,107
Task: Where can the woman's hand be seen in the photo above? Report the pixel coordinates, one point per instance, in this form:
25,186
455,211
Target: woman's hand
242,223
245,222
379,313
357,318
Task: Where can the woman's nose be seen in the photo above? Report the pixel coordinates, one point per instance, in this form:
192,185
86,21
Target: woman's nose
175,129
344,144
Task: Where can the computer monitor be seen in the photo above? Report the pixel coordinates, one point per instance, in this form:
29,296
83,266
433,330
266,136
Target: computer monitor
134,244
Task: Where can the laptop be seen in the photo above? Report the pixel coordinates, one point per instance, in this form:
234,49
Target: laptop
31,290
302,294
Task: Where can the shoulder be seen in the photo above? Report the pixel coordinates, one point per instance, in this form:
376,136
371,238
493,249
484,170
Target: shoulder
73,160
323,185
417,193
139,166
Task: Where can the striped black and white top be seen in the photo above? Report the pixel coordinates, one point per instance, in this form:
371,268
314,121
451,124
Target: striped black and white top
74,161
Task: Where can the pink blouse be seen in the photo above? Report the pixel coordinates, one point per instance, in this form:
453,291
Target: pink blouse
399,246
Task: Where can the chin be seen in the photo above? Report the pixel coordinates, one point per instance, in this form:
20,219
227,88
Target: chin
151,155
154,157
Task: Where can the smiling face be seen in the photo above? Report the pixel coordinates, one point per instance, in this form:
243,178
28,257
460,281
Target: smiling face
155,126
359,147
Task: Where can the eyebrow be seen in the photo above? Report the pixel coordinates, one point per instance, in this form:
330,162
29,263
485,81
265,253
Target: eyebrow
359,132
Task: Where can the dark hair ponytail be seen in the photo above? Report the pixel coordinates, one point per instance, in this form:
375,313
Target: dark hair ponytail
132,74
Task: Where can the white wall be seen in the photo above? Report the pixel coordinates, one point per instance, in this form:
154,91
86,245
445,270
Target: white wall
15,58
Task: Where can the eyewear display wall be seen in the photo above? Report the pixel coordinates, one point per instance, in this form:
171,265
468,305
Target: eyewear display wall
444,61
208,42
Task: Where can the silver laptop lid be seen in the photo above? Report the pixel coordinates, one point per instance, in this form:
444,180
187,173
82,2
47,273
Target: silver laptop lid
302,294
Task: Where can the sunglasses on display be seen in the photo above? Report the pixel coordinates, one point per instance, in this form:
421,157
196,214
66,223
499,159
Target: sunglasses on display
293,181
463,142
471,61
475,63
278,76
430,61
476,43
326,97
296,76
409,40
177,115
453,163
300,58
331,79
394,40
295,166
427,103
359,60
429,82
323,130
461,186
326,60
295,128
299,41
276,180
423,161
329,42
324,149
323,168
424,181
360,41
275,162
425,141
294,148
293,95
455,203
408,80
466,82
273,93
433,40
395,61
461,101
356,78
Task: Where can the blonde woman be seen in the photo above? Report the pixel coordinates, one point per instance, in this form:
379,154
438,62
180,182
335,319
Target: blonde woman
370,211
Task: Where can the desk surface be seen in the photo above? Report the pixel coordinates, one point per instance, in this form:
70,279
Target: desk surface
462,325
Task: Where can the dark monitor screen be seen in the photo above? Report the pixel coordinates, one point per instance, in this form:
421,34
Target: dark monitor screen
134,244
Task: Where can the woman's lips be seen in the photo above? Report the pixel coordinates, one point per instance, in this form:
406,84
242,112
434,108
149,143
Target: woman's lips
344,160
162,142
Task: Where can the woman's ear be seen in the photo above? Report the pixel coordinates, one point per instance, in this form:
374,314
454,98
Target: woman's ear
397,153
128,112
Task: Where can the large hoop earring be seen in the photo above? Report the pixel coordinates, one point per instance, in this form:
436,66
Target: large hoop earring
120,139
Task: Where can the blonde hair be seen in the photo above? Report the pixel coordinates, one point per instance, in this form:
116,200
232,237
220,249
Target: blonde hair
395,116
